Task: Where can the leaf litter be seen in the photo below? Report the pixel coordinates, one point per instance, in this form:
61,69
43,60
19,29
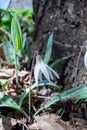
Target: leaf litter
42,122
47,121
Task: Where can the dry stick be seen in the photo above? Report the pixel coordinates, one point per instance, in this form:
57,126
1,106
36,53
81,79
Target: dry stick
22,123
30,85
4,31
79,60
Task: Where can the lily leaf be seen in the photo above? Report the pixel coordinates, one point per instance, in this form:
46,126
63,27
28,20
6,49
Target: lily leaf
59,61
71,93
82,96
28,52
16,33
10,53
4,11
3,83
5,19
40,84
48,49
7,101
29,13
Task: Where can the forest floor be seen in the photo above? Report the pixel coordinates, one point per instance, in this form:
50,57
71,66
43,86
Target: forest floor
63,115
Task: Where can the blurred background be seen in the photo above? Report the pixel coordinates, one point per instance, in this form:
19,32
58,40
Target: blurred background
23,4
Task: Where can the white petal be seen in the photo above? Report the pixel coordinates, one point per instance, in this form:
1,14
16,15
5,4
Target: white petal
85,59
53,71
40,76
50,74
36,73
44,71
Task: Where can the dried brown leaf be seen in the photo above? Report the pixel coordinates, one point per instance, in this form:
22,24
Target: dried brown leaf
6,73
50,122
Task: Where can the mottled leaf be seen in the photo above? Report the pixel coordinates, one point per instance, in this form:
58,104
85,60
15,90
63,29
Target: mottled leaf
48,49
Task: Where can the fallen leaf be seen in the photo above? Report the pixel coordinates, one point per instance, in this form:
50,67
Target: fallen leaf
7,123
6,73
14,89
50,122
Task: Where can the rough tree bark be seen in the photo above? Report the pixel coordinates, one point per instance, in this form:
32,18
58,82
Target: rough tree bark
68,20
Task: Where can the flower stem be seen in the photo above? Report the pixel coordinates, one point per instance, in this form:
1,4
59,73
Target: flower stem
16,69
31,84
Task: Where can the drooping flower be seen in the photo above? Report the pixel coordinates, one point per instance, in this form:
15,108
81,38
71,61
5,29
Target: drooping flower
42,68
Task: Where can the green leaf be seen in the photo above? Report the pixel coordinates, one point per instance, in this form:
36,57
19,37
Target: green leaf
5,11
42,83
16,33
48,49
24,40
71,93
17,11
82,96
5,19
29,26
3,83
7,101
28,13
23,53
28,52
59,61
9,52
59,111
31,29
5,22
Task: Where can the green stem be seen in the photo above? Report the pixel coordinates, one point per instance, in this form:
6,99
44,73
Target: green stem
16,68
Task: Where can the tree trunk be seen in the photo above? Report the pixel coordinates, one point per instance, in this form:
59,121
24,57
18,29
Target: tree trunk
68,20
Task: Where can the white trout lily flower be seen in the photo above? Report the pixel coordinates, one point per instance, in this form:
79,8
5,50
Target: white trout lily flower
85,58
42,68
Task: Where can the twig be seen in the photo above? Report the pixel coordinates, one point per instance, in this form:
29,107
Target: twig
22,122
1,29
43,97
